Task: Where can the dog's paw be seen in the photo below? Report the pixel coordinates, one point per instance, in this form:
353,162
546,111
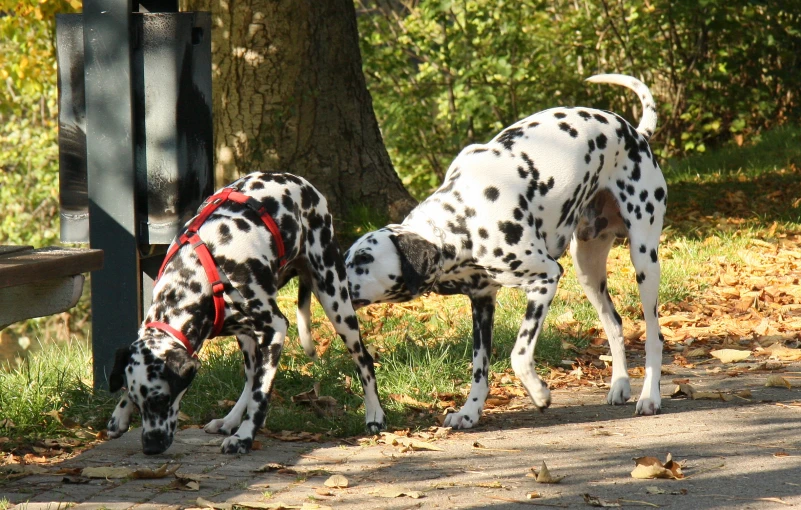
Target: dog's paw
620,392
539,393
374,427
114,430
234,444
460,420
648,407
219,426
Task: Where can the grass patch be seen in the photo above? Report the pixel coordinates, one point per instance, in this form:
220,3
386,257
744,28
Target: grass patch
720,204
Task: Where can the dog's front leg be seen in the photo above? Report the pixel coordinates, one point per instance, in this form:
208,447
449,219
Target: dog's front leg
267,357
483,315
121,417
230,423
539,297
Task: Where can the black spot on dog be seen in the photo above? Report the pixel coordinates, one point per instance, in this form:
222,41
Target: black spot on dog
567,128
512,231
492,193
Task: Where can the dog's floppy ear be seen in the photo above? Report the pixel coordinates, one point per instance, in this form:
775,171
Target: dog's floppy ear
184,366
116,379
418,258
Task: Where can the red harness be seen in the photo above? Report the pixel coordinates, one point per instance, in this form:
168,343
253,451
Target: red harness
190,236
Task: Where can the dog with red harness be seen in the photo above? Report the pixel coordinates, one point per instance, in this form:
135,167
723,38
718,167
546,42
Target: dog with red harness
221,276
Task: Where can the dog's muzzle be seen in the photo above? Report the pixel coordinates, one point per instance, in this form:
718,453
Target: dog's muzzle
155,442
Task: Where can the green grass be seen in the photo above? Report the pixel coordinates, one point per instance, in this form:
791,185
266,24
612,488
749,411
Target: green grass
719,202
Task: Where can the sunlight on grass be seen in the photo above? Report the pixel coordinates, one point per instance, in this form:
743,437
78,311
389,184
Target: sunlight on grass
721,206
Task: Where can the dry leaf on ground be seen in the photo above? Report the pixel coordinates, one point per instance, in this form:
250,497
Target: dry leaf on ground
730,355
391,492
407,443
598,502
336,482
162,472
409,401
544,475
777,381
107,472
651,467
780,352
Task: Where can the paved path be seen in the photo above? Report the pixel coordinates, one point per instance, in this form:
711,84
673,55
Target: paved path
744,453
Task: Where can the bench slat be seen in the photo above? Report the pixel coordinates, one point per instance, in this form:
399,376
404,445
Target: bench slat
21,267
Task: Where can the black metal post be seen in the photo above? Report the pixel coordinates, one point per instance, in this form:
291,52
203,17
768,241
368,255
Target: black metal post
111,174
136,155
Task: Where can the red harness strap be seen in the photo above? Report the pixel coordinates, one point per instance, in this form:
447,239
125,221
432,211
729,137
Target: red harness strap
190,236
174,332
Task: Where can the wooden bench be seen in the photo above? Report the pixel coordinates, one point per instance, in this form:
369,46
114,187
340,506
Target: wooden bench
35,283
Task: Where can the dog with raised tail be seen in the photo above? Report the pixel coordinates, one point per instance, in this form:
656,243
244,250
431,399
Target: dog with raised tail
504,215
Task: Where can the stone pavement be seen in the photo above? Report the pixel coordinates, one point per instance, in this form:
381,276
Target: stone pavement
744,453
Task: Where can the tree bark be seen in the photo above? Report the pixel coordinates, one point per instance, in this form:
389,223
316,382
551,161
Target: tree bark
290,96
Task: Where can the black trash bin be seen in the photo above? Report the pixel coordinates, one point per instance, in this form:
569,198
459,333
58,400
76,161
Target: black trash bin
135,149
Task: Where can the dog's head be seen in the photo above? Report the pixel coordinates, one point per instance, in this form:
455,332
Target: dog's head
390,266
156,375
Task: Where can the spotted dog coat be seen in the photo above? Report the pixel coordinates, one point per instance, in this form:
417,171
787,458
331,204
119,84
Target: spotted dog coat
158,368
507,211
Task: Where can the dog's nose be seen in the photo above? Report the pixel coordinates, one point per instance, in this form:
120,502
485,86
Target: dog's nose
155,442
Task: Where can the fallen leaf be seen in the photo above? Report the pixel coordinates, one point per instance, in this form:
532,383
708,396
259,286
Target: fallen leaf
545,476
777,381
651,467
409,401
391,492
710,395
408,443
683,390
107,472
322,491
780,352
269,467
204,503
598,502
336,482
162,472
730,355
654,490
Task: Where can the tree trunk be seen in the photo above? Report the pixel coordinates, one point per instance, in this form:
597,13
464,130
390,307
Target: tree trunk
290,96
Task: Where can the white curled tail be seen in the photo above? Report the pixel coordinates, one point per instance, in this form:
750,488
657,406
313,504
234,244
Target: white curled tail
648,121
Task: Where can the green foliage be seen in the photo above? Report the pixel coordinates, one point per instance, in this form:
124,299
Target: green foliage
28,121
444,74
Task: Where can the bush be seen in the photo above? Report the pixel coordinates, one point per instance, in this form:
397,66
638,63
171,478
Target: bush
446,74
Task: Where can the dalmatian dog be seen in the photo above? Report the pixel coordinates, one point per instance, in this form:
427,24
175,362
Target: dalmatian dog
158,367
506,213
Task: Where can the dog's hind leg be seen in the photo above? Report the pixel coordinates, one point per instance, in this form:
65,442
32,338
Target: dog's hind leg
540,293
589,259
483,315
304,319
339,309
643,249
230,423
